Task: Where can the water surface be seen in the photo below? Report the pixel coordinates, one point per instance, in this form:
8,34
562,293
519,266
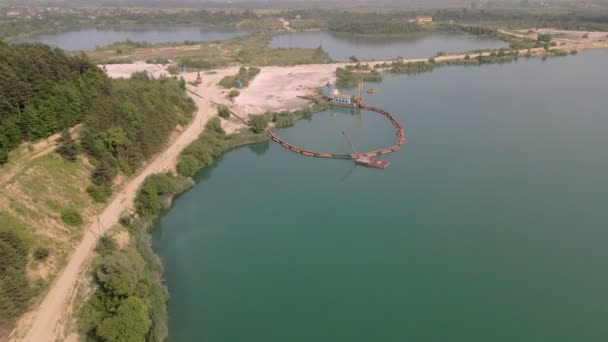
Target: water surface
341,46
490,224
91,38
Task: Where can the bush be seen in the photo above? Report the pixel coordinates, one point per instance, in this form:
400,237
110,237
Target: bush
223,112
14,287
99,193
258,123
188,166
154,192
67,147
545,38
245,76
283,119
41,253
353,59
234,93
106,245
202,152
71,217
346,76
106,170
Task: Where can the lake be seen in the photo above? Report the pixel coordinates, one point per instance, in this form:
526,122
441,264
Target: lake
489,225
91,38
341,46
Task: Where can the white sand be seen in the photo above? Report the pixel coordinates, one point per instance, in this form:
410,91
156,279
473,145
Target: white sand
278,88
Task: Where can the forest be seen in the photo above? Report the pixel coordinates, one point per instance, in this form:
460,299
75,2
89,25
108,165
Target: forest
123,122
43,91
396,20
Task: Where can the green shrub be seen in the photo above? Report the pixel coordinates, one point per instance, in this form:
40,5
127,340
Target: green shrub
106,245
234,93
71,217
14,287
283,119
258,123
154,193
67,147
204,150
346,76
245,76
223,111
41,253
100,193
188,165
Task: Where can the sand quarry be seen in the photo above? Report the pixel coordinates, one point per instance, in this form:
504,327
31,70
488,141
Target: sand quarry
274,89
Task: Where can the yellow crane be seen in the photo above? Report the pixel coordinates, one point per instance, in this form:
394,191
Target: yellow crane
359,97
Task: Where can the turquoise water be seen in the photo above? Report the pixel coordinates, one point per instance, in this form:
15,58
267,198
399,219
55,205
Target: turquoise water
489,225
91,38
341,46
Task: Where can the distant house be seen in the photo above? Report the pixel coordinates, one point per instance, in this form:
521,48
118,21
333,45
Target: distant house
424,19
13,13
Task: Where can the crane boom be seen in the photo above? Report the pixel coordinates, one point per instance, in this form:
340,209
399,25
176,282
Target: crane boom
352,147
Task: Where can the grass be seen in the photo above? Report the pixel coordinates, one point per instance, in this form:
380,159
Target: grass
53,180
250,50
31,204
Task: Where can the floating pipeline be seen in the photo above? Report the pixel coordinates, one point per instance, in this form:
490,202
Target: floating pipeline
400,133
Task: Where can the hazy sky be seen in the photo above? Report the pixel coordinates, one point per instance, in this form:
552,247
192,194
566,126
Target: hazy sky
301,3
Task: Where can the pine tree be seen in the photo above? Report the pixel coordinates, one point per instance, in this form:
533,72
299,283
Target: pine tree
67,147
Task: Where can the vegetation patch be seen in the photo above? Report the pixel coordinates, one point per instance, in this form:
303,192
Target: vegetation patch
240,80
223,111
350,75
15,291
71,217
131,125
259,123
233,93
129,303
203,151
156,193
41,253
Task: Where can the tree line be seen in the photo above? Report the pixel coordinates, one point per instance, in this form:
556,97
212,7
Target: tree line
130,125
44,91
15,290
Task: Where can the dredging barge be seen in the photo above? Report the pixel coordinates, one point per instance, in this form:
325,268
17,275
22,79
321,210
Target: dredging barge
367,159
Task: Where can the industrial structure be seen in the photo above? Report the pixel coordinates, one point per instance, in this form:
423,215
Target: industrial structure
367,159
346,100
423,19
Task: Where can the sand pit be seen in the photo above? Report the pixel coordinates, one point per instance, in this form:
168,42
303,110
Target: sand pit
126,70
278,88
